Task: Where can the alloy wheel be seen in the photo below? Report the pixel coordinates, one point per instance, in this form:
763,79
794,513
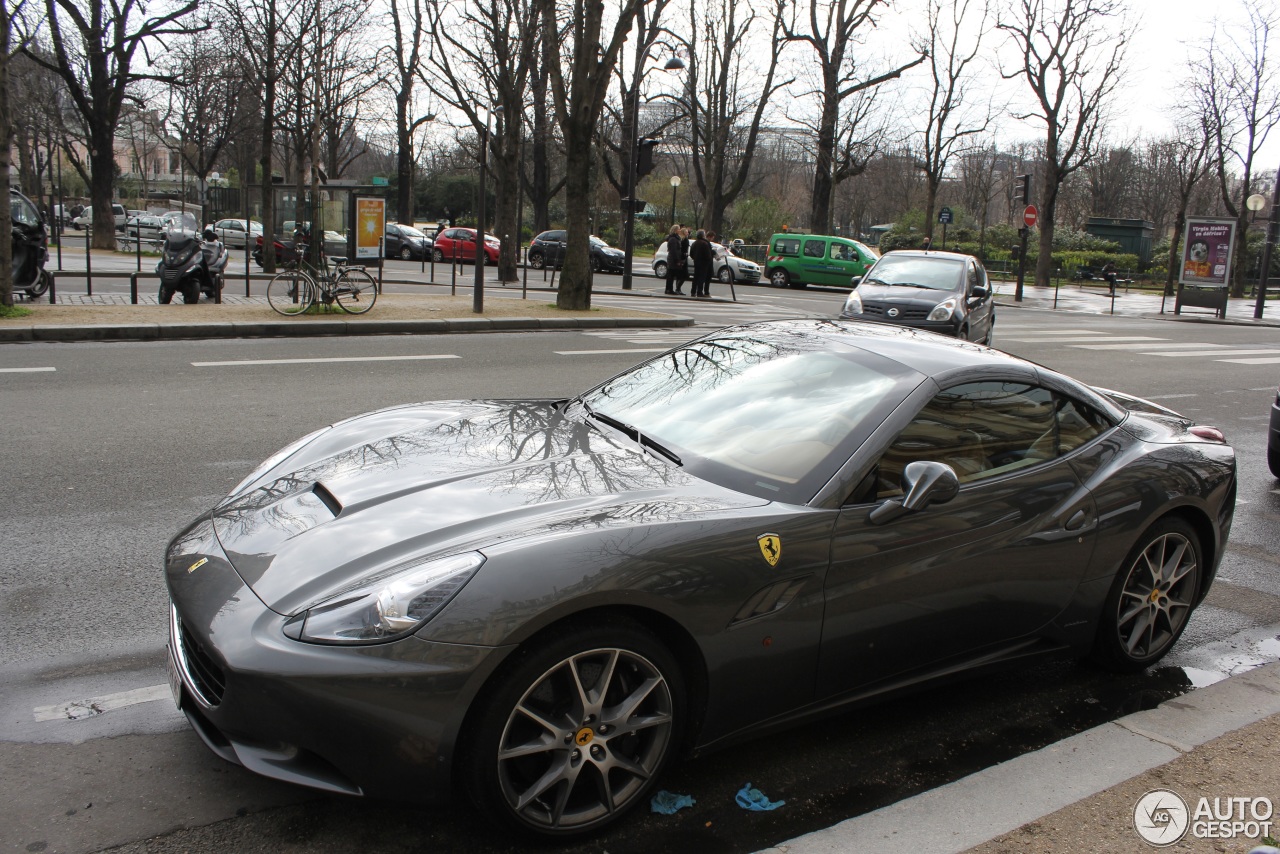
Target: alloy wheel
1157,596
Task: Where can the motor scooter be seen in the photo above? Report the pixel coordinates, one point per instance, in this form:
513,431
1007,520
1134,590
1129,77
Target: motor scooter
191,265
30,247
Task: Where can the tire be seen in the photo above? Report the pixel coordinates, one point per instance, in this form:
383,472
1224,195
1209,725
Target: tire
406,254
612,662
165,296
537,260
41,287
291,292
779,277
991,334
595,264
191,292
356,291
1126,643
437,256
660,269
725,275
1273,462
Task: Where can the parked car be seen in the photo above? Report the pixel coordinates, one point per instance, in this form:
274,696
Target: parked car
335,245
1273,442
460,243
800,260
728,267
547,250
85,219
943,292
236,233
405,242
145,227
543,603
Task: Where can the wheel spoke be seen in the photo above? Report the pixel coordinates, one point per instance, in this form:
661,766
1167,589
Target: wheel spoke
620,714
629,765
542,721
1169,571
561,771
531,748
645,722
1139,629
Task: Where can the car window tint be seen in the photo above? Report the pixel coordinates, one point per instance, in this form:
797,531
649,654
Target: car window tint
1078,424
815,248
979,429
786,246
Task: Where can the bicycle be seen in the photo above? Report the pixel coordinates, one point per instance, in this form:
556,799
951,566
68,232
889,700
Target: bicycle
294,291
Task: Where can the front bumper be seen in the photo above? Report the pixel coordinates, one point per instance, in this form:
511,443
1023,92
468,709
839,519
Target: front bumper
1273,440
378,720
943,327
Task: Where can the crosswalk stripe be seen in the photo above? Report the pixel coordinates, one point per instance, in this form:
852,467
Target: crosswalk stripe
599,352
24,370
318,361
1275,361
1101,338
1216,353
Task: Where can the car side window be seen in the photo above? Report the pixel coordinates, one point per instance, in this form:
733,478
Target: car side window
1078,424
840,252
815,249
974,278
979,429
786,246
22,211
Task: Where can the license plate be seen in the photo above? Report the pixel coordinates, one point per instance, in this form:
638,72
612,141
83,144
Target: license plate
175,680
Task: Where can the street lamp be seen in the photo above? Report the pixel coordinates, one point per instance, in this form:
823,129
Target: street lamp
675,183
1272,221
477,292
675,63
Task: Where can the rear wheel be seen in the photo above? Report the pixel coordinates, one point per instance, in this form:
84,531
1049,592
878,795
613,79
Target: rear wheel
41,287
1273,461
576,729
291,292
356,291
1152,598
779,277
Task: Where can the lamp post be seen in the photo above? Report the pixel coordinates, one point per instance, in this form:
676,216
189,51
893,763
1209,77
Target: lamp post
1272,221
675,63
477,292
675,183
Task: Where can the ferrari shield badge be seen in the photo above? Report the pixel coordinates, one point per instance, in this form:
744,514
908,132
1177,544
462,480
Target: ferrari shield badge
770,547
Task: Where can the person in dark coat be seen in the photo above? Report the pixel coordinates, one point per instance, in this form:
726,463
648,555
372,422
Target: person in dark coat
682,267
674,248
703,258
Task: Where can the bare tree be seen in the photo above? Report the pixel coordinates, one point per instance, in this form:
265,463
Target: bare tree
1188,160
1112,177
728,96
1237,92
94,47
1071,53
579,84
953,46
980,168
834,31
8,11
404,59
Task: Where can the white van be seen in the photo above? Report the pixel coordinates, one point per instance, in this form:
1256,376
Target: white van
86,217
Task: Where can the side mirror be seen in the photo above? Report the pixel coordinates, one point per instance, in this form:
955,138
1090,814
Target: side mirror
923,483
855,281
979,292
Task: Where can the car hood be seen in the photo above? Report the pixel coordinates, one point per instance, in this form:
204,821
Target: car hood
436,478
871,292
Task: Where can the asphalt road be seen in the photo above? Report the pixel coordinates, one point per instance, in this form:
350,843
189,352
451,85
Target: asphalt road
120,444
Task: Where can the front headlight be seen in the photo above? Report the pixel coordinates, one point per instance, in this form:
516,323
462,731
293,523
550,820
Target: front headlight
390,605
853,304
943,310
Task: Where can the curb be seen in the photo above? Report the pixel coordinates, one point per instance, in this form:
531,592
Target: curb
296,328
1004,797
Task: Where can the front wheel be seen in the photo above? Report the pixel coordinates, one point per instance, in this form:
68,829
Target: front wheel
726,275
406,254
660,269
537,260
437,256
1273,462
576,729
291,292
1151,599
779,278
356,291
190,292
165,296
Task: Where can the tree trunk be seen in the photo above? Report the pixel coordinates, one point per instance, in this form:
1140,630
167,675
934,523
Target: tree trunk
268,187
1179,223
930,199
1238,279
824,160
102,173
575,279
6,139
506,181
404,157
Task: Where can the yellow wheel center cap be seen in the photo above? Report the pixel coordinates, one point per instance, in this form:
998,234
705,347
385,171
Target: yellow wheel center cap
1155,595
584,736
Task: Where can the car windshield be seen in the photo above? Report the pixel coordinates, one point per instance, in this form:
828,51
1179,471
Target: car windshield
919,271
412,232
772,415
595,241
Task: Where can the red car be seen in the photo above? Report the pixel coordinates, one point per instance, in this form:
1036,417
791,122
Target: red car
460,243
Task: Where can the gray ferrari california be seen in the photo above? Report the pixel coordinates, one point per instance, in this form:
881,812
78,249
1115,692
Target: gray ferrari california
542,603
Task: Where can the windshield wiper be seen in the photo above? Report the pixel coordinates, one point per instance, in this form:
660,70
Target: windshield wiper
635,435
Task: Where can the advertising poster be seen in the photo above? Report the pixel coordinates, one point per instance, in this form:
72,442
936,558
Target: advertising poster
371,218
1207,247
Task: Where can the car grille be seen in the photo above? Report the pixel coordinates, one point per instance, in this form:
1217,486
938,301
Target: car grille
903,313
198,666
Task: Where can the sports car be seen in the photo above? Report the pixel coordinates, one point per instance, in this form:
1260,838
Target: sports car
543,603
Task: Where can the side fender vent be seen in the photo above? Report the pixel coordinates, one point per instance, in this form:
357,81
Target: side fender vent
769,599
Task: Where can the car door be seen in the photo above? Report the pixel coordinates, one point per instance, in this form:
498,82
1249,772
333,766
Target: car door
978,308
845,262
971,575
815,267
391,239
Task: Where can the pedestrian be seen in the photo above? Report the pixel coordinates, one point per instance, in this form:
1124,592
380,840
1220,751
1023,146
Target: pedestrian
673,259
928,241
1109,273
703,257
682,268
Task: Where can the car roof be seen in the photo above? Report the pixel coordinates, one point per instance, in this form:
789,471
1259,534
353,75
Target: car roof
930,253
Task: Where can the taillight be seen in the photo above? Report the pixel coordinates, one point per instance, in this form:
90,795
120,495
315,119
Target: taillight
1212,434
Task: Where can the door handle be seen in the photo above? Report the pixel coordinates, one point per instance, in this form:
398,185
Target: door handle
1077,521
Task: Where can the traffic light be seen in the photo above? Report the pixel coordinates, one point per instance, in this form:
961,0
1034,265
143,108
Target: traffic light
644,157
1024,190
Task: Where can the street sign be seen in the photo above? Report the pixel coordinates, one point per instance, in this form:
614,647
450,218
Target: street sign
633,205
1031,216
945,216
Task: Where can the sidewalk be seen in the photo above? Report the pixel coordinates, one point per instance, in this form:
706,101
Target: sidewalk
1081,794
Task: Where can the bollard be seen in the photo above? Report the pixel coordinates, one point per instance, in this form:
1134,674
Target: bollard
88,260
246,263
133,287
53,287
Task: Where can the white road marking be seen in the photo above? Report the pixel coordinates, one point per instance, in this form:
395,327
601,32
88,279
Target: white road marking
1275,361
317,361
1216,353
24,370
1170,346
1168,396
598,352
80,709
1056,331
1092,338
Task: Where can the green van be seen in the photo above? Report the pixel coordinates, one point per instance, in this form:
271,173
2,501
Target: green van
798,260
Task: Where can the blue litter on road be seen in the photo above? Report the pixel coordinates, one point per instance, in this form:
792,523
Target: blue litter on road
668,803
754,800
